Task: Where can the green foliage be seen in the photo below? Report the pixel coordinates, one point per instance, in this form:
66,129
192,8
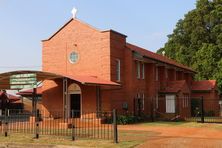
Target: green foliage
197,40
128,119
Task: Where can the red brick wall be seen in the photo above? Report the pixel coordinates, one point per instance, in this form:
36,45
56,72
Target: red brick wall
92,46
98,52
211,100
179,75
171,75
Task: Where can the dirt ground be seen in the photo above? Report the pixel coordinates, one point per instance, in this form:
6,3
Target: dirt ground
206,136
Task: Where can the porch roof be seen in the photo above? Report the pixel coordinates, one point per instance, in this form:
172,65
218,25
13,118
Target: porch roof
43,75
174,86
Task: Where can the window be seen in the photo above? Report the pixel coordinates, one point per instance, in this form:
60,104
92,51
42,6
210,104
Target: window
186,100
138,69
157,75
157,102
138,106
140,98
117,69
170,103
142,101
143,71
73,57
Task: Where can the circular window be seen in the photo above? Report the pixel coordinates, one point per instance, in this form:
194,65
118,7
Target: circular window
73,57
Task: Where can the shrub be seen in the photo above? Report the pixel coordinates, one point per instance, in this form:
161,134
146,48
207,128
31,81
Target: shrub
128,119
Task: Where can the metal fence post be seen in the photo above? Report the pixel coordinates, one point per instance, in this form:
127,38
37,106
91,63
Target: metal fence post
37,116
6,123
73,133
152,111
115,130
37,131
202,110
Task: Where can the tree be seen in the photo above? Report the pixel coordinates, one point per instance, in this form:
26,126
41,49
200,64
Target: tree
197,40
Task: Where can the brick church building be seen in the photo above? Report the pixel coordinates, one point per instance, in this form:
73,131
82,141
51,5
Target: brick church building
107,72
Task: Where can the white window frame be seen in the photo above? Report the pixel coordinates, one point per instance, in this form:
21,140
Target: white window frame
143,71
170,104
118,70
138,69
73,57
186,100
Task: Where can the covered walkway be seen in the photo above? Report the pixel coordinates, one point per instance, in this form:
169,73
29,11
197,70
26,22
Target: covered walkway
29,79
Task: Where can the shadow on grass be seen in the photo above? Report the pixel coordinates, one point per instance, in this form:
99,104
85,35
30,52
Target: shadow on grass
164,123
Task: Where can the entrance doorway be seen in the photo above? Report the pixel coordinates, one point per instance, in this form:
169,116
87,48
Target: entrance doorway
75,101
75,105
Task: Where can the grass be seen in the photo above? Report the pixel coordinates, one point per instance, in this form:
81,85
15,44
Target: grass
127,139
182,124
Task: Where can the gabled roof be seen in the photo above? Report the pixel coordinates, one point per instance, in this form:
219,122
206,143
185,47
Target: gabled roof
174,86
90,26
66,25
204,85
157,57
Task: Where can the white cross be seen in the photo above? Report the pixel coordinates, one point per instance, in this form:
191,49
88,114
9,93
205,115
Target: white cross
74,11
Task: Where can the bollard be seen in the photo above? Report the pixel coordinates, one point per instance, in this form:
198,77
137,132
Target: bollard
115,130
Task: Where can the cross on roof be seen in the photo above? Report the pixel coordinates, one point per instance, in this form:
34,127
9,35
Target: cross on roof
74,12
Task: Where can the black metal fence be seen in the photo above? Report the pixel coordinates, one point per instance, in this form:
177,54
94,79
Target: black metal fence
205,110
90,125
199,109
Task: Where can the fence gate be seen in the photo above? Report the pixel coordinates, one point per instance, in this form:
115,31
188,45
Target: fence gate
205,110
52,123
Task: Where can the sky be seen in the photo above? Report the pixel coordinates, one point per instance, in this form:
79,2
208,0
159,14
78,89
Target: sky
24,23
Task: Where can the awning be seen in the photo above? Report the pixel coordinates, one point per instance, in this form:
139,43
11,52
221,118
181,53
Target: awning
10,80
91,80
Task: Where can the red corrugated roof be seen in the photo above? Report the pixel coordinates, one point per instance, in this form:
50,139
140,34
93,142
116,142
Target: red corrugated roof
91,80
157,57
43,75
82,79
203,85
174,86
30,91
